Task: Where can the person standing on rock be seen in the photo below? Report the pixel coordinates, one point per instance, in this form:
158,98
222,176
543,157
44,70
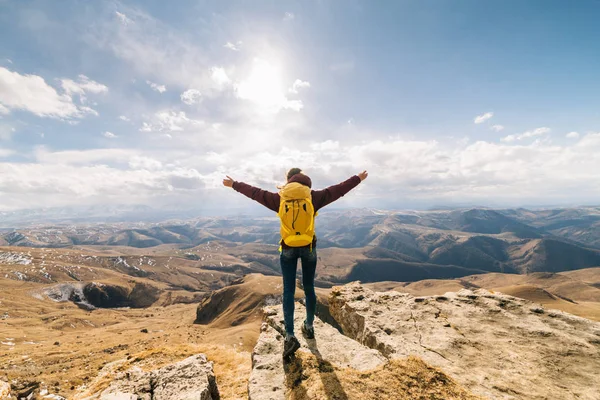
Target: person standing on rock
297,206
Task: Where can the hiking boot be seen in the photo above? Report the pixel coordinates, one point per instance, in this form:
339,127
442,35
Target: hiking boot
290,346
308,331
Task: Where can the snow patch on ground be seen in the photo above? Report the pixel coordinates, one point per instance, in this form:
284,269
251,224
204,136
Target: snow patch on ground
121,260
15,258
21,276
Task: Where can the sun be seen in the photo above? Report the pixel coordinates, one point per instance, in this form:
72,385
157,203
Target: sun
263,86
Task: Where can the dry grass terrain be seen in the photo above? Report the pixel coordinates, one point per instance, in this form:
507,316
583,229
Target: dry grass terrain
309,378
63,348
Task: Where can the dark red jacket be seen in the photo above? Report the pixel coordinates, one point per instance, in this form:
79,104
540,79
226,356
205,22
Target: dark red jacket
320,198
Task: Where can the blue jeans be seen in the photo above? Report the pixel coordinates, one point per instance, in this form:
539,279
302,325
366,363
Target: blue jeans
289,262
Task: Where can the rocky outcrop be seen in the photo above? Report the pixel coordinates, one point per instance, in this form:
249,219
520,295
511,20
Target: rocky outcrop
4,390
329,344
192,378
92,295
267,380
498,346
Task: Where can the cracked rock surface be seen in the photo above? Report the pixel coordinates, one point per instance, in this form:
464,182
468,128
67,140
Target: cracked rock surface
495,345
192,378
267,380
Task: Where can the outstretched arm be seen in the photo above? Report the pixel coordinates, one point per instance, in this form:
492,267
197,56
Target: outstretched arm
264,197
321,198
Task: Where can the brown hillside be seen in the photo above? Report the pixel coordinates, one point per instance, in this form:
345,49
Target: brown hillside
241,302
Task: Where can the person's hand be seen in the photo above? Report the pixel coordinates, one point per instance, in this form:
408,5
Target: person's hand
228,181
363,175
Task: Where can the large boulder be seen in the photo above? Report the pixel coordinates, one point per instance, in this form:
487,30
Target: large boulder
498,346
192,378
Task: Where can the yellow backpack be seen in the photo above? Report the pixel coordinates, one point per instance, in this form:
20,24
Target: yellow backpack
297,215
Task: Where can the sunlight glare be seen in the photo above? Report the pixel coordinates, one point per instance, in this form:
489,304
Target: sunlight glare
263,86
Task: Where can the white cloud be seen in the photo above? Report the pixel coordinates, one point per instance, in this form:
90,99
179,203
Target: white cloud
109,135
123,18
482,118
298,84
219,76
423,171
88,110
294,105
328,145
288,16
233,46
163,54
432,171
497,128
525,135
191,96
156,87
171,121
32,93
83,86
4,110
155,50
216,158
59,184
463,141
83,157
124,118
573,135
143,162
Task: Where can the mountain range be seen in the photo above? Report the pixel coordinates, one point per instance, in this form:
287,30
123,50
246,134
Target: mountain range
378,245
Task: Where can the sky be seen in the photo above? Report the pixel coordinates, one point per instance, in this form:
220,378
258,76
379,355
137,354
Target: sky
491,103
